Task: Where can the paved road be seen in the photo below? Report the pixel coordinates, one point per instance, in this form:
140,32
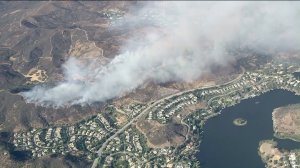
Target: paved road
130,122
95,163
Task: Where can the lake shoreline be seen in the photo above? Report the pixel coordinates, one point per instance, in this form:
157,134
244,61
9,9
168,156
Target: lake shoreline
211,141
239,122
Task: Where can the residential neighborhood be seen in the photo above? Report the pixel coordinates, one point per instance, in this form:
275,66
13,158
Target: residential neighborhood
127,145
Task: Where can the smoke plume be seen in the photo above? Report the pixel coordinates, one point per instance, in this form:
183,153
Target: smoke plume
192,36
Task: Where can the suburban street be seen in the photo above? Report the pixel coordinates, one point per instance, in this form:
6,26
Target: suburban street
144,112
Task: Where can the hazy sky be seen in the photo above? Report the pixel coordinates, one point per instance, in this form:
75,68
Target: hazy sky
192,37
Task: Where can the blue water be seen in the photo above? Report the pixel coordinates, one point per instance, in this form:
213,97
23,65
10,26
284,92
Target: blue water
296,74
225,145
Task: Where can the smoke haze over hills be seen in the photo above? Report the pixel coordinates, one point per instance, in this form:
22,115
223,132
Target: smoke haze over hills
192,36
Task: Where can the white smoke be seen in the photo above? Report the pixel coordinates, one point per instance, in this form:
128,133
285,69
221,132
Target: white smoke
191,37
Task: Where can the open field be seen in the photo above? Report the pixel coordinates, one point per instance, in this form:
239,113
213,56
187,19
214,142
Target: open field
37,75
286,122
271,155
162,135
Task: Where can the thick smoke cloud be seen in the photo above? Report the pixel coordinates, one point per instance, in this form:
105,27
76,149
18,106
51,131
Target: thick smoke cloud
192,36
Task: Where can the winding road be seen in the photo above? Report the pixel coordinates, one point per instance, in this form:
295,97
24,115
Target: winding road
146,110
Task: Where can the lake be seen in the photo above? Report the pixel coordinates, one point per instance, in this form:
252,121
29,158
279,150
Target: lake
296,74
225,145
